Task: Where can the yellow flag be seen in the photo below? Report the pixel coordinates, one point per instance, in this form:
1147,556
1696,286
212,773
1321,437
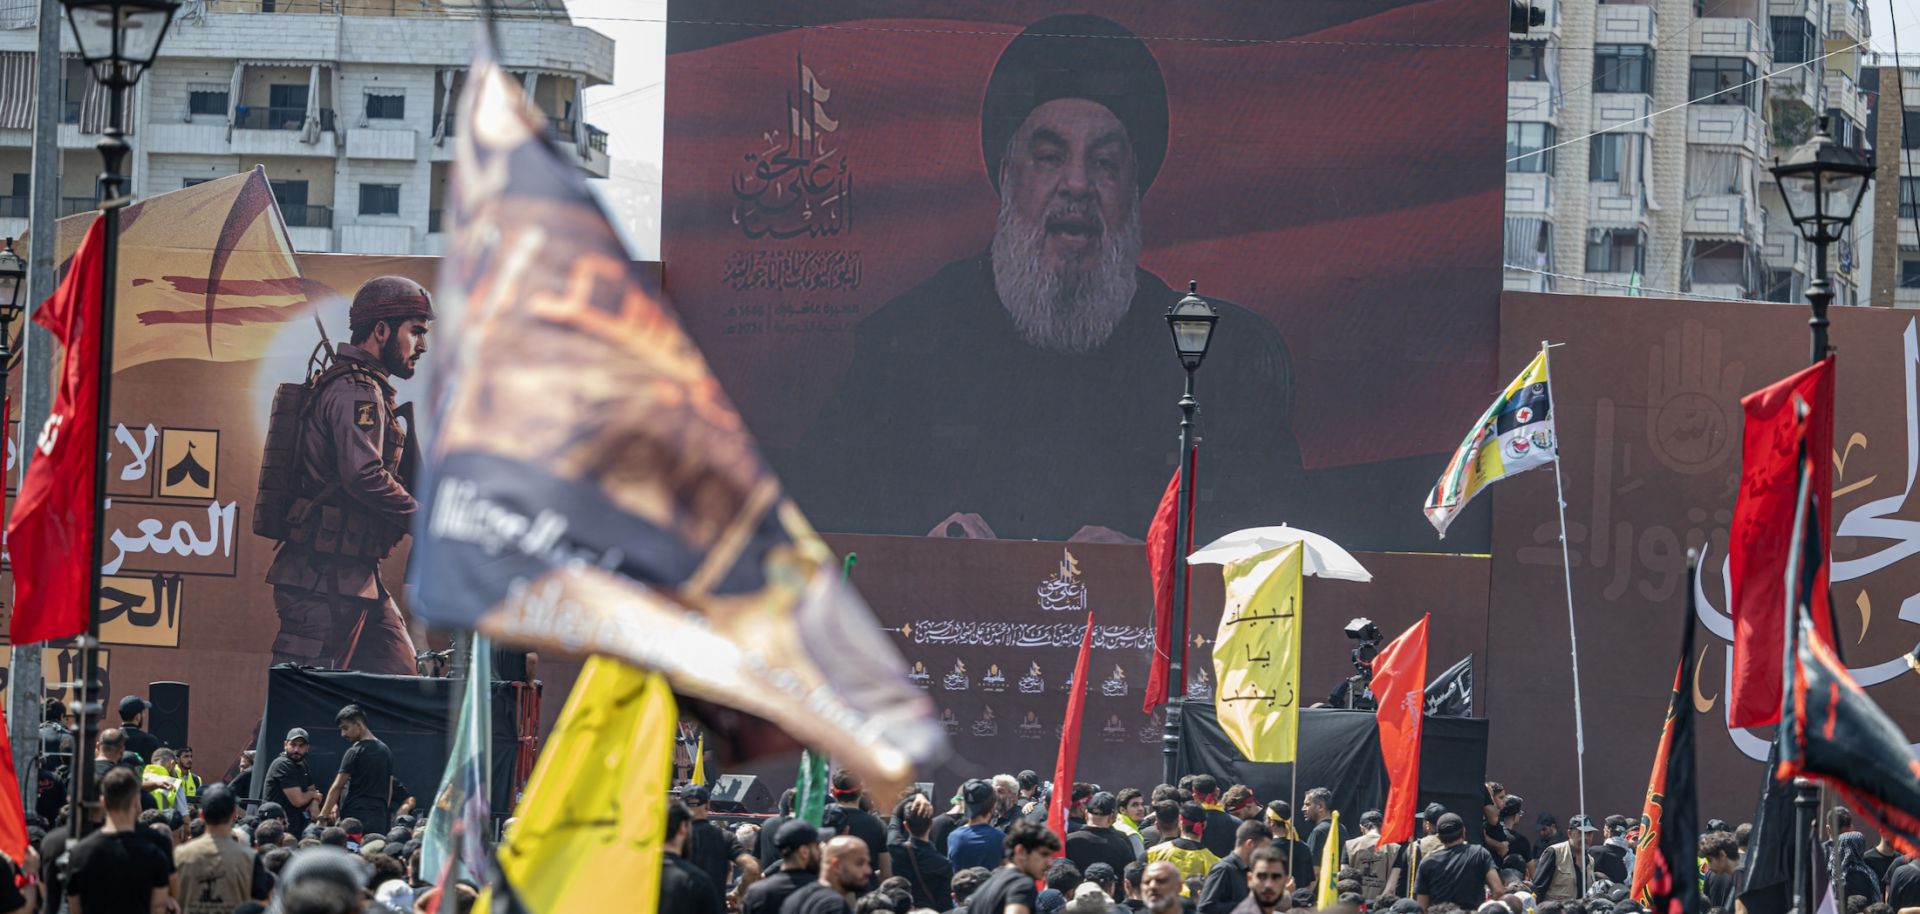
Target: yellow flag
1330,866
597,799
1256,657
700,759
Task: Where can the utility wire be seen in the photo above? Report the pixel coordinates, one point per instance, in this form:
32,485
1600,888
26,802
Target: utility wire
1621,285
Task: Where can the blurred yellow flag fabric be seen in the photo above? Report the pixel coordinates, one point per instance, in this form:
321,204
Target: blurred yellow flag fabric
1256,656
595,805
1330,867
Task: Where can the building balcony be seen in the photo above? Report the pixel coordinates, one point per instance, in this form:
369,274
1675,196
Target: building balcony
1720,290
256,117
1532,101
1622,112
1909,238
1724,125
1721,216
1843,93
1795,83
382,143
1608,207
1781,247
1551,27
376,239
11,227
1845,20
1516,281
15,207
1796,9
307,215
1906,298
1529,193
1720,37
74,206
1624,23
312,240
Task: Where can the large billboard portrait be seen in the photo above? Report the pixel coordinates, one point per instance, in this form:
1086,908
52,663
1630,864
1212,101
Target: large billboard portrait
929,248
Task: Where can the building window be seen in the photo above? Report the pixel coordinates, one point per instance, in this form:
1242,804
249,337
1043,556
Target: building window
1528,147
1910,274
1909,198
1721,81
379,199
1794,39
1616,250
1844,132
207,101
1910,129
192,182
1609,151
386,107
1526,61
1622,68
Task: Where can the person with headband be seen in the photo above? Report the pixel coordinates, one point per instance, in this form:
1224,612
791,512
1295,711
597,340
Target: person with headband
847,792
1189,852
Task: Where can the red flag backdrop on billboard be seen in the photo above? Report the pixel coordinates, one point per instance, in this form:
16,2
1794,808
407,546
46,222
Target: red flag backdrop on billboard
1400,686
51,536
1762,527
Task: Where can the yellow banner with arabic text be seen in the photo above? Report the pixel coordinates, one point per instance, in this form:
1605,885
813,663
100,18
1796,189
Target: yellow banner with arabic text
1256,657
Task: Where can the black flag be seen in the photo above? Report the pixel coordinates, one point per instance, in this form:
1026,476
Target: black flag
1665,874
1837,735
1450,694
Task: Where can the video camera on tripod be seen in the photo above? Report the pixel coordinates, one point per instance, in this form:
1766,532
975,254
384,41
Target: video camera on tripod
1355,693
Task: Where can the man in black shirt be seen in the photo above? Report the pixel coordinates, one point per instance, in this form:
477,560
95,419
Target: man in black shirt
1221,825
1011,889
843,875
764,849
1881,857
133,711
123,866
798,864
1458,873
1721,856
364,785
684,889
864,825
928,872
1517,844
1098,841
714,849
1903,885
1318,806
289,783
1227,883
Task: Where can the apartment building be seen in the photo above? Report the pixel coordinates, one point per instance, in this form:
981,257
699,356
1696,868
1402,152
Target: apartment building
1639,136
1893,124
349,104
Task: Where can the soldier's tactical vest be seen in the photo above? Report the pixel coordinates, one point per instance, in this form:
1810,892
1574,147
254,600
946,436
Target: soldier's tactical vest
288,508
1565,883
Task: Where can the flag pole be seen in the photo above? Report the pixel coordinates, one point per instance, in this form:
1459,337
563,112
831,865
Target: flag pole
1573,638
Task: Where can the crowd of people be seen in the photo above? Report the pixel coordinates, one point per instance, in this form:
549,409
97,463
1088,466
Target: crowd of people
167,840
1197,847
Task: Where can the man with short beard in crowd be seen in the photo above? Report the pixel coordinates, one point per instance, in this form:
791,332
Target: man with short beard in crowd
799,846
1227,882
1160,887
1268,884
1056,313
843,876
1012,888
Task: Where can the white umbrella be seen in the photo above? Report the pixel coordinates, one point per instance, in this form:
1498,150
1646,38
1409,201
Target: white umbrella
1321,557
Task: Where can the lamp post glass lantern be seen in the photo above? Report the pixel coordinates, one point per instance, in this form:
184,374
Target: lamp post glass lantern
1192,321
119,40
13,284
1822,183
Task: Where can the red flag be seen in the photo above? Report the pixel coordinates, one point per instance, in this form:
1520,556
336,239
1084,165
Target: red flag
1664,874
51,534
1162,557
1070,739
1400,686
1762,526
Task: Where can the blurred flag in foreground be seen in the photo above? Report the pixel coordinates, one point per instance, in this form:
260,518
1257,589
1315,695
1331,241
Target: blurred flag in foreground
590,488
593,808
466,785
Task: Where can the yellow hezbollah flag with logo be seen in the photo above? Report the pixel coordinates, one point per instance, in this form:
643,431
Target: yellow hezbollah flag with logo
1330,867
1514,435
1256,656
596,803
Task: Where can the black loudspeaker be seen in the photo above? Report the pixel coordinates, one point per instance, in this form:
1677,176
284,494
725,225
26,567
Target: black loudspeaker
740,793
167,719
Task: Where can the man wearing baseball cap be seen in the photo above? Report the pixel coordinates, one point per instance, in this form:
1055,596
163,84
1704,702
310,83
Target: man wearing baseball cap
289,782
1561,873
977,843
133,710
799,846
1098,841
1458,873
348,506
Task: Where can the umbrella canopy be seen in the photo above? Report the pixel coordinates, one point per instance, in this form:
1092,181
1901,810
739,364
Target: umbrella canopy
1322,557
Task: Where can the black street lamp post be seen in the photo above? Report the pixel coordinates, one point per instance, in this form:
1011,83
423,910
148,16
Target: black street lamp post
13,285
1192,320
1823,183
118,39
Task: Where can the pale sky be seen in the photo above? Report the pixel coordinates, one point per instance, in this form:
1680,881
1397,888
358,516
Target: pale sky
1885,13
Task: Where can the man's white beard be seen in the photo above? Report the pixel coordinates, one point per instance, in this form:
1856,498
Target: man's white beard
1073,308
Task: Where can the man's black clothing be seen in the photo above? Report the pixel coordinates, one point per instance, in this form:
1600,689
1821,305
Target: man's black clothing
1457,874
921,419
1880,863
1903,886
368,765
816,898
1004,819
140,742
242,785
1721,889
1317,838
53,896
1150,834
118,871
1610,862
686,890
1006,886
1096,844
1225,886
102,766
927,870
867,827
943,826
1518,843
712,849
285,773
766,896
1219,835
763,848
